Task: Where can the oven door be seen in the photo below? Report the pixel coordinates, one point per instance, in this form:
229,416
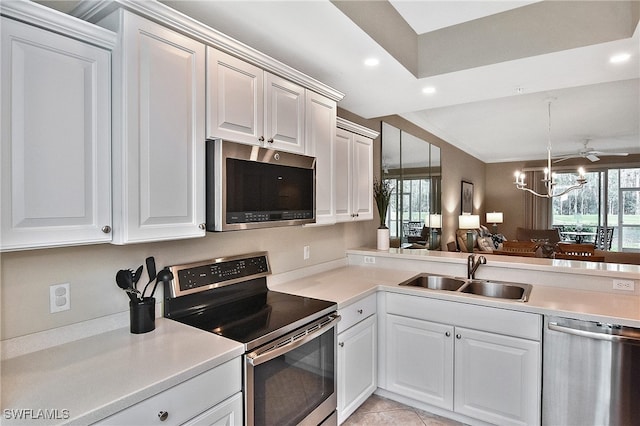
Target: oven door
292,380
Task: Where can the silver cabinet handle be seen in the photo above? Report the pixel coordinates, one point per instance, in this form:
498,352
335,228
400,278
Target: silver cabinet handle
447,334
163,415
202,226
360,311
106,229
458,336
341,344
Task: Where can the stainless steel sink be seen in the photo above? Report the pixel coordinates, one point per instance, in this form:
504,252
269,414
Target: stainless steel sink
435,282
499,290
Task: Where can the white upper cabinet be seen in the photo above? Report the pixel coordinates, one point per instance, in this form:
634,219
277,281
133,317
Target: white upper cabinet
159,122
235,98
56,137
248,105
320,128
353,164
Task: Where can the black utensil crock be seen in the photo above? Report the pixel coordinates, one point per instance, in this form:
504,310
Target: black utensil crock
143,315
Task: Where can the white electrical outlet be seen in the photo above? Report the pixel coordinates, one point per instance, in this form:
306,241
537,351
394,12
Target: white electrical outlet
628,285
306,252
59,298
369,259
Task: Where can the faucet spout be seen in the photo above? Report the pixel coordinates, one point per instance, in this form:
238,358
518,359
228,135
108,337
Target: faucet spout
473,265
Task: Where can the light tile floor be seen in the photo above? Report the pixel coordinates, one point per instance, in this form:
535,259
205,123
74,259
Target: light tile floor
378,411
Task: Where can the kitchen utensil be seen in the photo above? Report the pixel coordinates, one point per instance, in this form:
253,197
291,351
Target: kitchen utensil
151,270
136,276
123,281
165,276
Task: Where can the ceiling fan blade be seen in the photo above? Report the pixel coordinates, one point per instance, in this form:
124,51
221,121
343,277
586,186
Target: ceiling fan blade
564,158
593,157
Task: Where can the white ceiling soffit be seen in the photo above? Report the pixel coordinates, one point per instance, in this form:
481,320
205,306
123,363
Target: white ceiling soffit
476,108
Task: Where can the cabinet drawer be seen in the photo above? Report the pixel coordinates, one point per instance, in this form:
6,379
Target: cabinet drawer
185,400
356,312
495,320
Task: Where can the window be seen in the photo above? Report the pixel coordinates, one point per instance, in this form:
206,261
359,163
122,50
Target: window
609,198
413,200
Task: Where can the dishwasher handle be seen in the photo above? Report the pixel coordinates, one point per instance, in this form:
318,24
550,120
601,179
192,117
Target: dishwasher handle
593,335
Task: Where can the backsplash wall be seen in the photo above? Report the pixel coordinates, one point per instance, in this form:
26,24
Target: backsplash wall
90,270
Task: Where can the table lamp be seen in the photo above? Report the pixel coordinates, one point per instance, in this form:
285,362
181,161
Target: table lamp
435,223
495,218
469,222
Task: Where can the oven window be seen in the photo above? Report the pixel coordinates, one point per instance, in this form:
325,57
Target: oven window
289,387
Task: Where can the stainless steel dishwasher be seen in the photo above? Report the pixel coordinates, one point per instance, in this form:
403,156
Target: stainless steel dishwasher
591,373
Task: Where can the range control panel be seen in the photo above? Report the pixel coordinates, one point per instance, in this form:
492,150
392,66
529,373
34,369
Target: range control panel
214,273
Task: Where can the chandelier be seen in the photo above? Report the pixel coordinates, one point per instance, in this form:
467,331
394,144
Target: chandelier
550,177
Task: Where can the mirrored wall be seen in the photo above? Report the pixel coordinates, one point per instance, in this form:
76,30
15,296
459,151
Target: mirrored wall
413,167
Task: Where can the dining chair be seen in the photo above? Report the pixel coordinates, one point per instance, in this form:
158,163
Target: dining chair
570,251
518,248
604,237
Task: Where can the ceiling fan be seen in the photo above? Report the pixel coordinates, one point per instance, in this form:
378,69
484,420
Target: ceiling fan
590,153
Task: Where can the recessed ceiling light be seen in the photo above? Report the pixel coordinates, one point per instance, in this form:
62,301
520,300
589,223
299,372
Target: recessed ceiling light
619,58
429,90
371,62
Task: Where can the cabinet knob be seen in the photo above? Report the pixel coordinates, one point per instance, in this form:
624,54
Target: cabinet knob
270,140
106,229
447,334
261,139
341,344
360,311
202,226
458,336
163,415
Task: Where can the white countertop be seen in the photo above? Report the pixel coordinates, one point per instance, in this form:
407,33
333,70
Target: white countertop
98,376
350,283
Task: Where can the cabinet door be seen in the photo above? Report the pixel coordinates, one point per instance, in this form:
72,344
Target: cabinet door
343,171
497,378
362,177
235,99
320,129
56,139
419,360
356,366
227,413
284,114
160,150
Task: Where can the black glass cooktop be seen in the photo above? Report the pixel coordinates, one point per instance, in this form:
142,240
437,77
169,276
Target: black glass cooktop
230,297
260,318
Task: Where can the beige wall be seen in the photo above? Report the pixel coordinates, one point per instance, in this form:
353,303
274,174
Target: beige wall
90,270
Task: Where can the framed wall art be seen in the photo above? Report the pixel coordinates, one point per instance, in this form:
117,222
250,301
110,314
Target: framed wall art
466,198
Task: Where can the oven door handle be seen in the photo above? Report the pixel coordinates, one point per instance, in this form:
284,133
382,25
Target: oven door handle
293,342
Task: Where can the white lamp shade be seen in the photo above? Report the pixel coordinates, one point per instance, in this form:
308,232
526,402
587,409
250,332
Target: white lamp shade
495,217
469,221
435,221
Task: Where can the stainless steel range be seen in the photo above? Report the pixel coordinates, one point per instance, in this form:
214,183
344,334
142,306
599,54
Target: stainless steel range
289,340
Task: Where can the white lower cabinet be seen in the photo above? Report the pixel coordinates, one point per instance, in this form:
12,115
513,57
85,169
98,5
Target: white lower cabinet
211,398
357,360
481,362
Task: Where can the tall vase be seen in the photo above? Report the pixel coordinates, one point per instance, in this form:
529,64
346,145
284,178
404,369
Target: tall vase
383,238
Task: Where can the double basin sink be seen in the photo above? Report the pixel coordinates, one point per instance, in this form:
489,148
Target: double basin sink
485,288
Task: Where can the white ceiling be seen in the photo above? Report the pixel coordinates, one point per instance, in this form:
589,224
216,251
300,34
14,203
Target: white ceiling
476,109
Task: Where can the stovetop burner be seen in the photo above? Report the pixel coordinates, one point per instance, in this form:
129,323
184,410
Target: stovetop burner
229,297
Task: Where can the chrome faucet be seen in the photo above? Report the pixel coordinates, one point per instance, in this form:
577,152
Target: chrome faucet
473,265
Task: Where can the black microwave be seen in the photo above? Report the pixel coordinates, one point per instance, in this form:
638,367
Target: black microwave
250,187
